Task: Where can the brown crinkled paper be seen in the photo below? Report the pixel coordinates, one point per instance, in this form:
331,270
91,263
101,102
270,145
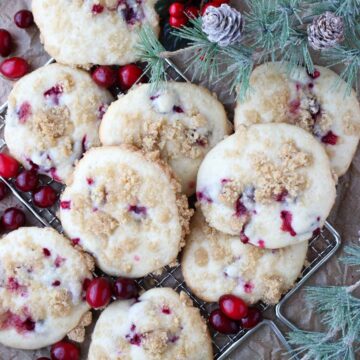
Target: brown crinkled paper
345,216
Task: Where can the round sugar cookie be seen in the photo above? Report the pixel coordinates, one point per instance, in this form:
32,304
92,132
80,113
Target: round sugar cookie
90,32
270,184
126,209
160,325
41,293
183,121
53,116
214,264
312,102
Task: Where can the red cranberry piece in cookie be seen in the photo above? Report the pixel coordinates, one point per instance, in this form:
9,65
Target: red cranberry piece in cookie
165,310
248,287
27,180
233,307
330,138
59,261
5,43
221,323
104,76
281,197
24,19
3,190
46,252
315,74
261,244
138,210
240,208
125,289
98,293
65,205
24,112
14,68
64,350
44,197
56,283
54,94
9,167
129,75
252,318
203,197
97,9
12,219
134,338
286,217
178,109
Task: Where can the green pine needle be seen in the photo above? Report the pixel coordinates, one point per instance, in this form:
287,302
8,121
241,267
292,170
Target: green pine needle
352,256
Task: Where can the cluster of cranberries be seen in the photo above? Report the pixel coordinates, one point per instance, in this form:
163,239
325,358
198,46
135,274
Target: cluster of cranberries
14,67
124,76
63,350
233,314
25,180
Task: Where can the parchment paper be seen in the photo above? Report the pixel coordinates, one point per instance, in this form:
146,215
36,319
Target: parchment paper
345,216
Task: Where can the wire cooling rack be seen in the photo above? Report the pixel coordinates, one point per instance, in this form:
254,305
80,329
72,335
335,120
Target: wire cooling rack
321,248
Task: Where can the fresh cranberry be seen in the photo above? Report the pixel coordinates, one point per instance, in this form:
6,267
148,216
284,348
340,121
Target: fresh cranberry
330,138
178,22
97,9
104,76
44,197
233,307
252,318
5,43
221,323
64,350
286,217
14,68
98,293
191,12
129,75
176,9
9,167
12,219
220,2
125,289
24,19
27,180
3,190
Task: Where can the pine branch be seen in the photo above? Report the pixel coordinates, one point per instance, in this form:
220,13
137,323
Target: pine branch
352,256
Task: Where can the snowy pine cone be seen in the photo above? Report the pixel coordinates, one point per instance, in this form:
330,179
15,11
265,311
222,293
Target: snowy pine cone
326,31
223,25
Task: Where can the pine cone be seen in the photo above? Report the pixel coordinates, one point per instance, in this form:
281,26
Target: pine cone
326,31
223,25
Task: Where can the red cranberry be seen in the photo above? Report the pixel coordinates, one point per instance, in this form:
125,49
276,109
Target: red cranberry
98,293
177,22
9,167
286,217
252,319
233,307
315,74
129,75
12,219
24,19
14,68
5,43
104,76
176,9
97,9
44,197
192,12
223,324
125,289
27,180
330,138
64,350
3,190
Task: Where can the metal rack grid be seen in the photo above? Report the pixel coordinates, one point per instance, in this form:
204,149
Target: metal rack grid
321,248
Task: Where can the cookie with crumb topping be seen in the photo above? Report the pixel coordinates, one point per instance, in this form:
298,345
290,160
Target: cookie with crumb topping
42,288
270,184
183,121
86,32
53,117
125,207
318,103
160,325
214,264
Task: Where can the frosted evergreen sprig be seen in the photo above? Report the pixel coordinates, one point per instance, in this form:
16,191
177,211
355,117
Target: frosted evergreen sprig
352,256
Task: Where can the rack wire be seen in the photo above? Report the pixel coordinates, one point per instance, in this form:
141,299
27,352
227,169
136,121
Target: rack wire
321,248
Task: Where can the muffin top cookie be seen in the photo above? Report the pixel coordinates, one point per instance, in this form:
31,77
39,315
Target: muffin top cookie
126,209
41,293
214,264
53,116
89,32
160,325
182,121
308,101
271,184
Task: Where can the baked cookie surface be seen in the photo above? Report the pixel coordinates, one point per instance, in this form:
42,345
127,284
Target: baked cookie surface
161,325
41,293
126,209
183,121
270,183
103,32
311,102
214,264
53,116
